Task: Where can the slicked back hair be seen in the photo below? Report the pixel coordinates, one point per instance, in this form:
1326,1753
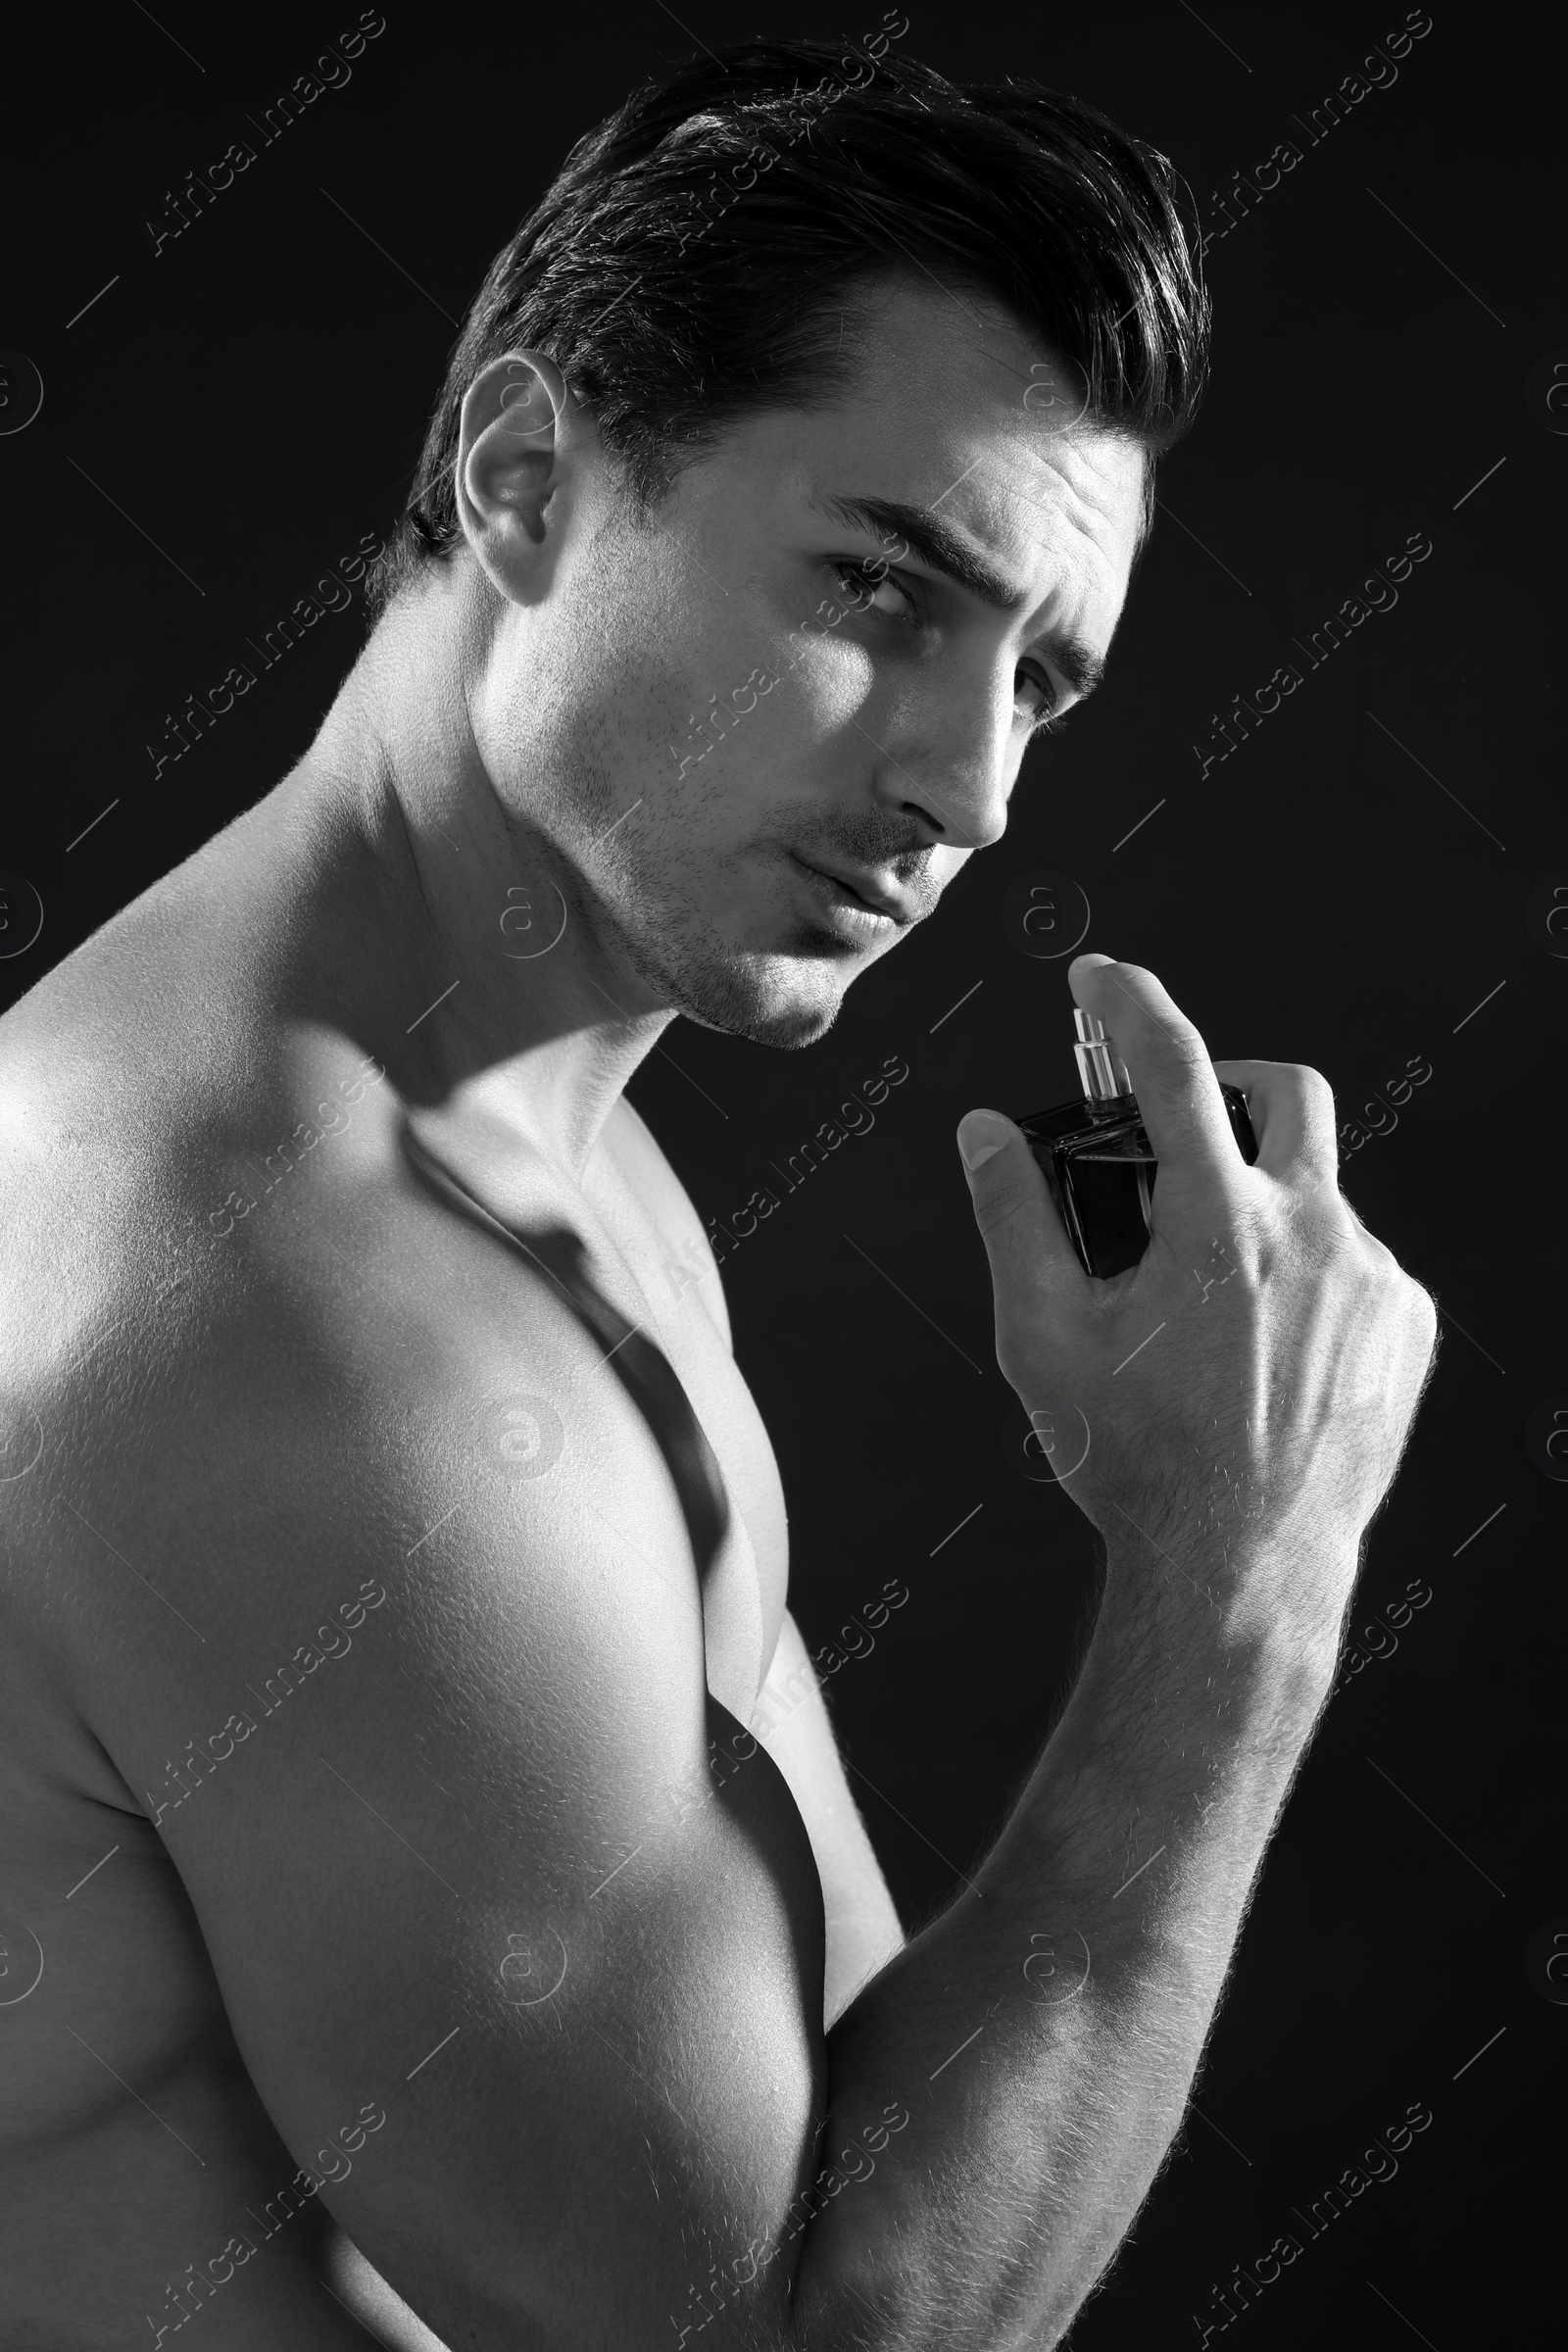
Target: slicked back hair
696,254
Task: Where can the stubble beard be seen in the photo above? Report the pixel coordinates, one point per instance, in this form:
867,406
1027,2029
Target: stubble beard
770,997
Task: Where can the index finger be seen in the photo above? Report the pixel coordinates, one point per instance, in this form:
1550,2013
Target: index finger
1178,1094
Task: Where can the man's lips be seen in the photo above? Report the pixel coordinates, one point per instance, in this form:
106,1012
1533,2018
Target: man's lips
864,886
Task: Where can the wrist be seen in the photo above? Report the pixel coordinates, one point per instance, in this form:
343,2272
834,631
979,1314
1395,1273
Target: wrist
1264,1623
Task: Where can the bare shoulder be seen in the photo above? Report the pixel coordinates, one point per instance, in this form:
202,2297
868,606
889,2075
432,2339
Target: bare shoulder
130,1163
233,1300
339,1423
129,1154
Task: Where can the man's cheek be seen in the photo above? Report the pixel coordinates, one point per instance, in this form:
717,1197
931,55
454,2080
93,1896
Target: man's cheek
845,675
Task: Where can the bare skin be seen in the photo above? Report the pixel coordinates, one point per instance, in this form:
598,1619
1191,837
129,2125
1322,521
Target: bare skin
495,1933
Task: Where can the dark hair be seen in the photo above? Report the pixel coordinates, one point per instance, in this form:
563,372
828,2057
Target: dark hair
691,259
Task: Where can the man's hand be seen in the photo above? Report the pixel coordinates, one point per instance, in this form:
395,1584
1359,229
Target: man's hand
1246,1389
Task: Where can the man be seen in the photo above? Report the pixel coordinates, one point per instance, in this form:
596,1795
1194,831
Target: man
402,1918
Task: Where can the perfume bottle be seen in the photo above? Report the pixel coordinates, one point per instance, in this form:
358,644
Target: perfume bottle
1097,1157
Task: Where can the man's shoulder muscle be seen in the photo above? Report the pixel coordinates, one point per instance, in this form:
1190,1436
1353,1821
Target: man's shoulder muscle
209,1328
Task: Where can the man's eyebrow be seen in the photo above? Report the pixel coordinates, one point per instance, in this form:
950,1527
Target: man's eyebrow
940,548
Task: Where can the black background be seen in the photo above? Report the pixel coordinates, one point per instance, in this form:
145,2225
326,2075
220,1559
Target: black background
231,415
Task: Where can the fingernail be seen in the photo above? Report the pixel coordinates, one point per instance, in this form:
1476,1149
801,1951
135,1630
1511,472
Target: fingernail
1090,959
982,1134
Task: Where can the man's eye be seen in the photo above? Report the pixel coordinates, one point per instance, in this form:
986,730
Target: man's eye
1042,712
863,583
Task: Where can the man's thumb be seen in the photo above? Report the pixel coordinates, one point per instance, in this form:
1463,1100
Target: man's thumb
1018,1223
982,1134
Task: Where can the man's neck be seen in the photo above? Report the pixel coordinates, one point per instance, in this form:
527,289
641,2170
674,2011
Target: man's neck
442,925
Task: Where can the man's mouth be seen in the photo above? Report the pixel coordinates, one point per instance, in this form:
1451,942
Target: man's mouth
859,891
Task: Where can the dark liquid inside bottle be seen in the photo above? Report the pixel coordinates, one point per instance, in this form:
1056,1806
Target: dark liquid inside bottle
1101,1166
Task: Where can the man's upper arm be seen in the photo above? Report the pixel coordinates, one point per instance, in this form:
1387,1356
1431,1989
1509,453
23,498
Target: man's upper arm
482,1855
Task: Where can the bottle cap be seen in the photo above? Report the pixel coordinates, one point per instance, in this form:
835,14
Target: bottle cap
1102,1073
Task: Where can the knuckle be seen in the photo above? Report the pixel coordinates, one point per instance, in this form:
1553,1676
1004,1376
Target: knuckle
1421,1307
1379,1255
1393,1298
1313,1088
1182,1039
1323,1225
1135,1002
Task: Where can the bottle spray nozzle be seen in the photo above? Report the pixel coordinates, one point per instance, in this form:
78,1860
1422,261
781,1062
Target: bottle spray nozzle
1102,1073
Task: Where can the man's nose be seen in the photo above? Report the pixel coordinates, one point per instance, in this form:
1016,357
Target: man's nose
952,767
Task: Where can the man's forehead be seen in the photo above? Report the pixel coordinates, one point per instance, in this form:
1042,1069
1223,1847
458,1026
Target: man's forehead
939,420
1073,498
924,354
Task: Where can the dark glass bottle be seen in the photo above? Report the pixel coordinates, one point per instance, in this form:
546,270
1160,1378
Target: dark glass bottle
1097,1157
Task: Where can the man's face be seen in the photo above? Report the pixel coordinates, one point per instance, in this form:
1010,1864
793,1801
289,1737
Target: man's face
750,868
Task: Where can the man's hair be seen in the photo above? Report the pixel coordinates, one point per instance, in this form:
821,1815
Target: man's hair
693,260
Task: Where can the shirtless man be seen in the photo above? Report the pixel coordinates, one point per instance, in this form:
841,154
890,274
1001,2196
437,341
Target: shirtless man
430,1888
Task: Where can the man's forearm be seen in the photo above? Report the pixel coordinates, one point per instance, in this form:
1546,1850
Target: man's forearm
1040,2100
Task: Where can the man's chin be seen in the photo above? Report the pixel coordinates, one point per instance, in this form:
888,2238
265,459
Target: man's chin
790,1003
787,993
787,1032
773,999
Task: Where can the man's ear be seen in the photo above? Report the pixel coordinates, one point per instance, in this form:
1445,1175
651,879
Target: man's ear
520,449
